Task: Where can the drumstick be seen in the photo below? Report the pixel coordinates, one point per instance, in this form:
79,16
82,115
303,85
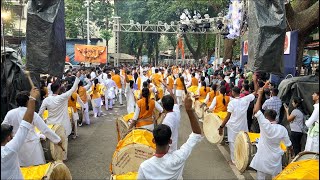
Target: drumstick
61,147
27,73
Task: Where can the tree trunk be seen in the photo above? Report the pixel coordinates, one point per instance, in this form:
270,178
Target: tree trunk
301,44
195,53
228,49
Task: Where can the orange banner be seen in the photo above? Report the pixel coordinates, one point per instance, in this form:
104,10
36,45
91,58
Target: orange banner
90,53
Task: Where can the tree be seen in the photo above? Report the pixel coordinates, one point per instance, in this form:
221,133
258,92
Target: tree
76,17
304,17
10,18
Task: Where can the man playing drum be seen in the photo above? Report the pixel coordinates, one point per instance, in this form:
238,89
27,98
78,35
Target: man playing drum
31,152
267,160
10,146
57,106
169,165
236,119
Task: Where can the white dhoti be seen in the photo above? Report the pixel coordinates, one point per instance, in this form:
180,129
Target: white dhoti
96,106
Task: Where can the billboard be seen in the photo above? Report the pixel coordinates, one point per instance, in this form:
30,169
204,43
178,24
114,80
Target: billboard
90,53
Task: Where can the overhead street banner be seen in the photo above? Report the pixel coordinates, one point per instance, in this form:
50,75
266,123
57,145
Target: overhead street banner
90,53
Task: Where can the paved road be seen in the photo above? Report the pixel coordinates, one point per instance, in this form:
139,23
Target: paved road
90,154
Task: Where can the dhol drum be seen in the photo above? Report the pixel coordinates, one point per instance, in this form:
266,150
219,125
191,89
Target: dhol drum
54,151
131,151
123,126
199,109
211,124
304,166
245,148
193,89
129,175
52,170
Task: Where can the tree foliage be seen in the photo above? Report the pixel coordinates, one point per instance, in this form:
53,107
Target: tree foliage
76,17
6,6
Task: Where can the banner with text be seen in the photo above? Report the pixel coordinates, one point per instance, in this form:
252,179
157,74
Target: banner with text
90,53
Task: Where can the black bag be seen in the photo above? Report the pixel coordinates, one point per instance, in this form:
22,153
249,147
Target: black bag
267,29
46,41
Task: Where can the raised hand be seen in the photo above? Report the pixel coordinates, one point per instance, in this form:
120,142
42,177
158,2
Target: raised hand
35,93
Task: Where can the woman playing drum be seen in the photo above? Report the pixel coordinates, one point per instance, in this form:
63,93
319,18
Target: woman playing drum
211,95
220,102
143,116
202,92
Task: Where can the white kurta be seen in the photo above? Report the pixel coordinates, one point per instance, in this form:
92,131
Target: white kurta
269,154
312,143
57,106
172,119
130,98
10,167
238,120
171,165
111,86
31,152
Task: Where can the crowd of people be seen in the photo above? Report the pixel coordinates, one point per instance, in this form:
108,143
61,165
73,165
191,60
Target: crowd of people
244,96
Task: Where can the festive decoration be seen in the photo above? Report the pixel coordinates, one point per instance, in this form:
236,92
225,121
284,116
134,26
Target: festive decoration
234,16
90,53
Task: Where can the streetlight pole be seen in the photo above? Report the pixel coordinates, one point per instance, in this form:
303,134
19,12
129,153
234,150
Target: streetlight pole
88,18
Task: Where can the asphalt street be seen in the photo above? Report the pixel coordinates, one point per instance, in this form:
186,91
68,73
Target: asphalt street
90,155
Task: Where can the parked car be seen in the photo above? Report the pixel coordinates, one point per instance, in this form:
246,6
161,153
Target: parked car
68,64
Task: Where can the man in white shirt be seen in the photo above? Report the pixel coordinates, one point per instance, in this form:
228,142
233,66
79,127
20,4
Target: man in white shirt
93,74
267,160
57,106
169,165
172,118
110,91
236,119
143,76
31,152
10,146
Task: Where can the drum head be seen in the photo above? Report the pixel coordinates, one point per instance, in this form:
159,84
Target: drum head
135,148
242,151
58,170
211,124
199,110
306,155
123,127
56,151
